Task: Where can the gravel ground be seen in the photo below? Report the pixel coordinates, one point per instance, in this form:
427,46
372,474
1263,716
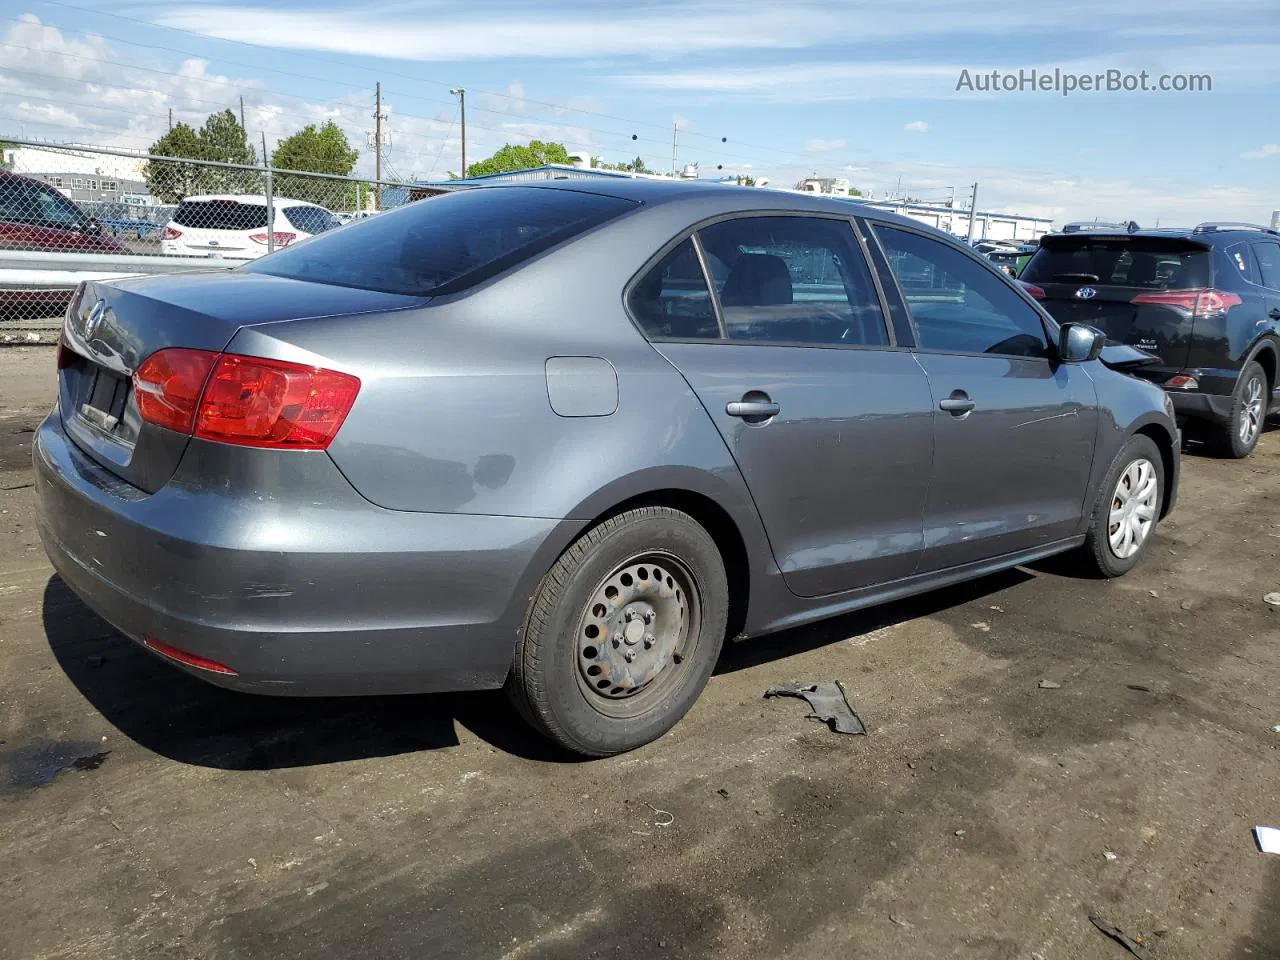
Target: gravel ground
144,814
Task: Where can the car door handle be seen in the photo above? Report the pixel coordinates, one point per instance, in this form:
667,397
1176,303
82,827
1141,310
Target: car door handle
1275,313
958,404
753,409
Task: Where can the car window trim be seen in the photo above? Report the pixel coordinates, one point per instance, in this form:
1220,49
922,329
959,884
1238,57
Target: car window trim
1049,326
691,232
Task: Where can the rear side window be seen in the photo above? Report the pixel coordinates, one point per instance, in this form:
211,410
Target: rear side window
793,280
221,215
1268,257
311,219
957,304
1241,258
1147,263
444,244
673,301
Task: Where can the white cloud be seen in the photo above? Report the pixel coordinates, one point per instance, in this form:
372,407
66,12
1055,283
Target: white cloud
824,146
454,30
916,126
1266,150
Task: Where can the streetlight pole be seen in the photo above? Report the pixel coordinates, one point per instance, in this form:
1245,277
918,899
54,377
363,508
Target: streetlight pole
461,94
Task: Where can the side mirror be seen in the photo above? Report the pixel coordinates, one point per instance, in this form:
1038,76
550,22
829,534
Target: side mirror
1080,343
92,226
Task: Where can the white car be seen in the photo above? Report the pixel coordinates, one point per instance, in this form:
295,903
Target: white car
237,227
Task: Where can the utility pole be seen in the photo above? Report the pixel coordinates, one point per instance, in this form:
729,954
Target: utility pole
973,211
265,161
377,145
675,137
242,113
171,119
461,94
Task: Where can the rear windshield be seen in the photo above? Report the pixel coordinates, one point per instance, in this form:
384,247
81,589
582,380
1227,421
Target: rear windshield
1152,263
446,243
221,215
311,219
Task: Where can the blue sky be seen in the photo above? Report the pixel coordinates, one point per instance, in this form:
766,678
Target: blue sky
861,90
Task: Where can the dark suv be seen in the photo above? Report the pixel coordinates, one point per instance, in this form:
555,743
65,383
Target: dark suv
1205,301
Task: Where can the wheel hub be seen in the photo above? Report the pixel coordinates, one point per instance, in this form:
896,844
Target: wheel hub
634,627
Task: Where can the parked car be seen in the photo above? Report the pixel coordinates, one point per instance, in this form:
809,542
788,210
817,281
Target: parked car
570,437
237,227
1205,300
35,216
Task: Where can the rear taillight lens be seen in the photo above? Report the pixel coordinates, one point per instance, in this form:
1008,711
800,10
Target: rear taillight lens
243,400
166,388
1031,288
190,659
270,403
281,239
170,234
1198,303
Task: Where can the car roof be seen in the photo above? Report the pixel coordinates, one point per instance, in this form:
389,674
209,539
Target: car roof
249,198
719,198
1207,237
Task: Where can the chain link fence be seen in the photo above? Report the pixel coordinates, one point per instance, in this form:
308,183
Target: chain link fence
86,213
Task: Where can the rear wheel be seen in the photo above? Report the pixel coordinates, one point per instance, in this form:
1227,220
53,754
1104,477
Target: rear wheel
1249,404
623,633
1127,509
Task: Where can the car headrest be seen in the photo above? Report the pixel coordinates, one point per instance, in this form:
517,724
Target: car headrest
757,280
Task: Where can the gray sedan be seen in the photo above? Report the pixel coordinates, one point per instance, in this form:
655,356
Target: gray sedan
569,438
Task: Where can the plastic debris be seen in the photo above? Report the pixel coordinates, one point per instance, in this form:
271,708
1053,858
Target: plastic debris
1050,685
828,702
981,625
1267,839
1115,933
1108,855
1273,599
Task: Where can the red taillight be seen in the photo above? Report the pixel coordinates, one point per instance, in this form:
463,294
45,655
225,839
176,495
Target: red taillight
1031,288
66,356
243,400
190,659
281,239
167,386
1198,303
170,234
270,403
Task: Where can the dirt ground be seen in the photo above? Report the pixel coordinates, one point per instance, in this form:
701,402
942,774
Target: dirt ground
144,814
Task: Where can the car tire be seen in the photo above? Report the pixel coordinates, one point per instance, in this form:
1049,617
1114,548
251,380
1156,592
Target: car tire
1236,439
649,583
1106,549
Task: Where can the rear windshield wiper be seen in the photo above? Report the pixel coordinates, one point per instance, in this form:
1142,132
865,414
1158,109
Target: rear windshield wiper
1073,277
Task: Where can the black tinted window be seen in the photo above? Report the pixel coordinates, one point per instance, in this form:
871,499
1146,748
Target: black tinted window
221,215
793,279
444,243
957,304
1150,263
1267,253
1241,258
672,299
311,219
23,202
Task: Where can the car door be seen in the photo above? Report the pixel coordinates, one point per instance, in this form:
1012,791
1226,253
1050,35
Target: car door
829,421
1013,429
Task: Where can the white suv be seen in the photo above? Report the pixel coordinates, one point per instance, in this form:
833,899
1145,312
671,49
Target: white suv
235,227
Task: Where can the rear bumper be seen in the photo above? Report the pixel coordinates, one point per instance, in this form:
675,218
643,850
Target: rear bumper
1201,406
329,595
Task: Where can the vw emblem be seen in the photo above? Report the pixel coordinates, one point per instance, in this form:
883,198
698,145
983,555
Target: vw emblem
94,320
1086,293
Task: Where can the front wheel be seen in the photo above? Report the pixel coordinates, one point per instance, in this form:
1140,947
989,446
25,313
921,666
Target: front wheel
623,633
1127,509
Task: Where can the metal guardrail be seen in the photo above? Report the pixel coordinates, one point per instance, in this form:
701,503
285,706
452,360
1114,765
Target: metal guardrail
45,269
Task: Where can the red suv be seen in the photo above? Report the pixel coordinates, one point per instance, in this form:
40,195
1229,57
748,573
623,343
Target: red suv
34,216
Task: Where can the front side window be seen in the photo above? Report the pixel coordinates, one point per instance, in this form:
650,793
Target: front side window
672,300
1267,254
957,304
793,280
25,202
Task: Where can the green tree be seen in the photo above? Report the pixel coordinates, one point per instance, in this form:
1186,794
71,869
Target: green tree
170,182
515,157
315,149
223,139
635,166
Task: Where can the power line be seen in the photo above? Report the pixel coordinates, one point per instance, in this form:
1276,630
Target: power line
385,72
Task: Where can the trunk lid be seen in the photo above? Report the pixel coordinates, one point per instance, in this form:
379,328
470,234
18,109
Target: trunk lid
1100,280
112,327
